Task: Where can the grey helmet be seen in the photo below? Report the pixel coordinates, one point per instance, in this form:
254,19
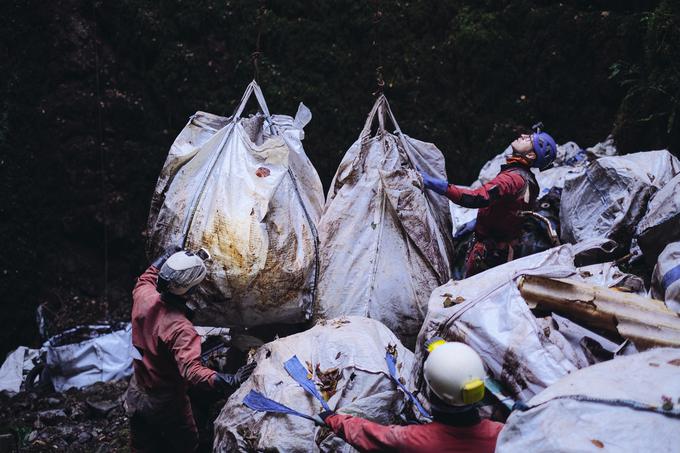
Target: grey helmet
181,272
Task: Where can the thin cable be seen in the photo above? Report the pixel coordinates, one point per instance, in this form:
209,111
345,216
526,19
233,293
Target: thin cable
255,56
102,164
377,44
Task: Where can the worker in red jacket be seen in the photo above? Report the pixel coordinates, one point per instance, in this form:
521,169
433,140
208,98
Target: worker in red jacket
169,357
454,374
500,201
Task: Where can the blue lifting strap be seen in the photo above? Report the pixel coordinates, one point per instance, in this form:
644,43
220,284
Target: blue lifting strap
258,402
391,366
299,373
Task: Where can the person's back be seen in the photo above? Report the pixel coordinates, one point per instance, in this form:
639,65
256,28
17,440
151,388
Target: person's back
165,340
437,436
169,358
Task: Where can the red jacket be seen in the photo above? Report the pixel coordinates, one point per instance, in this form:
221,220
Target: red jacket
367,436
167,341
499,201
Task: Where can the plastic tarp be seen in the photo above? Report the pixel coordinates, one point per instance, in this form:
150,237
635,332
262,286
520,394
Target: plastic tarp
620,405
610,197
345,358
385,240
661,223
487,312
666,277
14,369
99,355
244,190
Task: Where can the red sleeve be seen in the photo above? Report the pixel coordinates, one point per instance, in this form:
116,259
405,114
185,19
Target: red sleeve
503,185
185,345
365,435
146,284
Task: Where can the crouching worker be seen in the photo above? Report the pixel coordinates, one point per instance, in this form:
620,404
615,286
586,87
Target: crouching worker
169,358
500,201
454,374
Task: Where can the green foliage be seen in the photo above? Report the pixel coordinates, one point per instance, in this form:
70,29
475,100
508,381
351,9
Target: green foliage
648,112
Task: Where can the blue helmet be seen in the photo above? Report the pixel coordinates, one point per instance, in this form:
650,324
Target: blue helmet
544,147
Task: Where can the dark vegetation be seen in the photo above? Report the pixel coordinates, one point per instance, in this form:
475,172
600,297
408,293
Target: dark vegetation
93,93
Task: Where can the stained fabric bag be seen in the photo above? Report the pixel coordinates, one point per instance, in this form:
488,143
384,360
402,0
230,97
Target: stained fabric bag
385,240
87,354
628,404
243,189
487,312
345,359
661,224
666,277
610,197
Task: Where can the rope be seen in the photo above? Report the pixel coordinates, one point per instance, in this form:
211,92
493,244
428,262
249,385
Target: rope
377,44
255,56
102,164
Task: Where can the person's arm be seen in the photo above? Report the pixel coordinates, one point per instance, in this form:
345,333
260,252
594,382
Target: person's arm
185,345
365,435
504,184
146,284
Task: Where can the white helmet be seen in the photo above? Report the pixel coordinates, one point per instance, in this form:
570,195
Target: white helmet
454,372
181,272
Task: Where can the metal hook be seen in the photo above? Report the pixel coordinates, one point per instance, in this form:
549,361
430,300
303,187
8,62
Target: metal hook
537,127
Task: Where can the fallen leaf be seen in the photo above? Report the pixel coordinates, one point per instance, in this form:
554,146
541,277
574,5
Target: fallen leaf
597,443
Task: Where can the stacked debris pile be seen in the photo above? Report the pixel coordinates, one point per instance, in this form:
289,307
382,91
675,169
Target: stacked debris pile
384,239
627,404
661,223
487,312
244,190
345,359
610,197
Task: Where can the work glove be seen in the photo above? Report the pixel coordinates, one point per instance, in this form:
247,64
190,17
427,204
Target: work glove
438,185
229,382
167,253
320,419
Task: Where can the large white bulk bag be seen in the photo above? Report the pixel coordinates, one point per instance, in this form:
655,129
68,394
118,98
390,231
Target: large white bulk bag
610,197
385,240
487,312
661,223
629,404
244,190
346,359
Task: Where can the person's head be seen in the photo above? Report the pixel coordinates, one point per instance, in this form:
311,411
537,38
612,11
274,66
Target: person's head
539,148
455,375
181,274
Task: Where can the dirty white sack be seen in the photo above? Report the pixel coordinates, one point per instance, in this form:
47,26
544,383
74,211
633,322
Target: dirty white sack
661,223
354,348
14,369
612,406
244,190
385,240
666,277
487,312
99,355
610,197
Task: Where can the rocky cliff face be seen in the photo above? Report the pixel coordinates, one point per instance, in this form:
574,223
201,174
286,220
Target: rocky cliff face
93,93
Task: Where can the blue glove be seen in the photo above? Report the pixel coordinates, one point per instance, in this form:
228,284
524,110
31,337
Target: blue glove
438,185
